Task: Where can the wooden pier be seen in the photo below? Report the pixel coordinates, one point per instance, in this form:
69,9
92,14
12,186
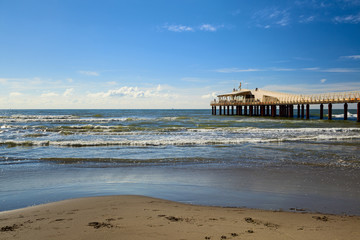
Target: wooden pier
260,102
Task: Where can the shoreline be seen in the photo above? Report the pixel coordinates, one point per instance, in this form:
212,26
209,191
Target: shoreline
141,217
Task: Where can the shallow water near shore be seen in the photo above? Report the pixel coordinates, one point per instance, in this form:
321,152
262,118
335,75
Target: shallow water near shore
181,155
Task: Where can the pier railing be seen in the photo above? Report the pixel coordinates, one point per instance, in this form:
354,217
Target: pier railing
336,97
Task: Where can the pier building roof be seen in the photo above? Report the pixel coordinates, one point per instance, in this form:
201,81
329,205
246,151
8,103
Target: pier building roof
262,96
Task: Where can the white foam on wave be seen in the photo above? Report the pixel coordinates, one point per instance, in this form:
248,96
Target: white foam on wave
349,115
307,130
74,119
19,116
111,130
277,130
179,140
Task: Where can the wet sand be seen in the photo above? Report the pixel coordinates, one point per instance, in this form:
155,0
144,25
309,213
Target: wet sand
139,217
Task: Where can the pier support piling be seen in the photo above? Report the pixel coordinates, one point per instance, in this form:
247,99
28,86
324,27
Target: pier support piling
321,111
250,110
273,110
358,112
288,111
284,110
330,111
245,110
345,111
302,111
284,107
307,111
298,110
228,110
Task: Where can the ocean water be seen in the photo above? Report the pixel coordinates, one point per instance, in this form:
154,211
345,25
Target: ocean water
181,155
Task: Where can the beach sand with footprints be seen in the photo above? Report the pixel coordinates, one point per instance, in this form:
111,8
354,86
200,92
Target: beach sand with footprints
140,217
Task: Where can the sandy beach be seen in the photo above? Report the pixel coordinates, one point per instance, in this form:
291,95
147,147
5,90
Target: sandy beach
140,217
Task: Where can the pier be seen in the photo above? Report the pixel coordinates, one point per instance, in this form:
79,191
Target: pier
259,102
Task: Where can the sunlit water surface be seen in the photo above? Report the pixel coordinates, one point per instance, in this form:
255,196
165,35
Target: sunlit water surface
182,155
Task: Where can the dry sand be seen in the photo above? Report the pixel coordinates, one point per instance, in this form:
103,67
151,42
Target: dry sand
138,217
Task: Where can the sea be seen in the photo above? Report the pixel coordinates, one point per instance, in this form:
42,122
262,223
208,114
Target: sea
189,156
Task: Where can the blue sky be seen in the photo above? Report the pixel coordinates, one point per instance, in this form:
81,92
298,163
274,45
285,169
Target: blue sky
172,54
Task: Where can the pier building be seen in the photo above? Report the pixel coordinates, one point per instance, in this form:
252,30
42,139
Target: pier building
259,102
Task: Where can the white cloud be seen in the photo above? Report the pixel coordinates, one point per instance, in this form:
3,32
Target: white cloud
271,17
314,69
209,27
352,57
284,21
111,83
311,69
159,88
36,81
340,70
132,92
15,94
89,73
236,70
70,80
323,80
282,69
315,88
178,28
88,96
193,79
303,59
348,19
209,96
304,19
332,70
183,28
68,92
49,95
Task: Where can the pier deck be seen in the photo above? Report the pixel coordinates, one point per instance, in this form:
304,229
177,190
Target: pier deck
258,102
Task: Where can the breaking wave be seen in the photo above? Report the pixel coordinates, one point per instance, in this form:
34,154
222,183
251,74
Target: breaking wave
72,118
183,140
349,115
